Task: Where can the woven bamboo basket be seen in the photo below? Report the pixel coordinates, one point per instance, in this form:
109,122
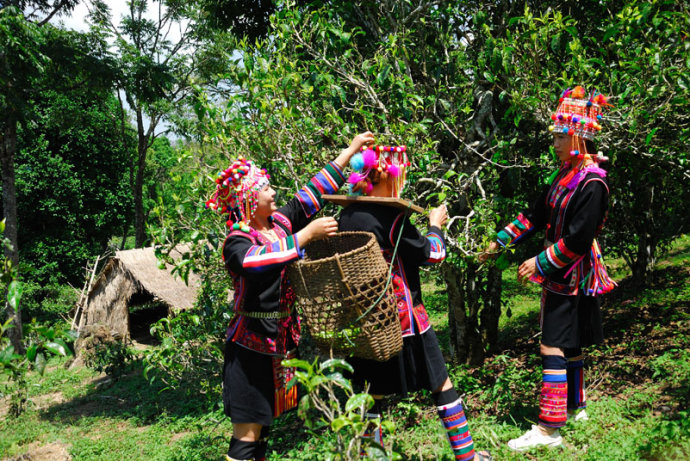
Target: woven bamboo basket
336,283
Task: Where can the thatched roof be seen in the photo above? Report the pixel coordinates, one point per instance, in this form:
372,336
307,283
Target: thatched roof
141,267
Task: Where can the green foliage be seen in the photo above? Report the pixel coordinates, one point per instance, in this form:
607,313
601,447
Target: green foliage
49,302
188,358
42,341
112,358
68,216
325,388
673,370
22,60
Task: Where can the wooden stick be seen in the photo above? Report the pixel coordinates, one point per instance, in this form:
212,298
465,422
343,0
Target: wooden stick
84,298
345,200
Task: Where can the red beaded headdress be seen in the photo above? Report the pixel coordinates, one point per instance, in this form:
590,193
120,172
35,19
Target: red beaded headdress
391,160
237,189
579,116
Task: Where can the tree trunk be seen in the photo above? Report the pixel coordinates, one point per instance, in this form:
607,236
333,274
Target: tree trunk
645,259
646,244
491,313
472,312
457,319
8,147
139,219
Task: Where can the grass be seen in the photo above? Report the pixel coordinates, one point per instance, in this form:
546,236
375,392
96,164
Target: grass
638,393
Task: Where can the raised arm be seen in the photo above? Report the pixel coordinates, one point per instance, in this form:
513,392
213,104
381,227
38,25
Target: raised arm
422,249
307,201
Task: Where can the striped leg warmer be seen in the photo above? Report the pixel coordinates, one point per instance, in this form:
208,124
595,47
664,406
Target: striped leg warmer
554,392
449,409
577,398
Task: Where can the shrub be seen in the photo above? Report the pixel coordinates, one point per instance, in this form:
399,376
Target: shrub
47,302
103,353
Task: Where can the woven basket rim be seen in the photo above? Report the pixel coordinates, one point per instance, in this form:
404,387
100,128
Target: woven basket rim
367,247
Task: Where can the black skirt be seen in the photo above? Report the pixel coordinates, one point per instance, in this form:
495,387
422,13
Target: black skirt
570,322
248,390
420,365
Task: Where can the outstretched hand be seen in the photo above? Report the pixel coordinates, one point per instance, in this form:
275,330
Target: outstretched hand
362,139
438,216
489,252
318,229
526,270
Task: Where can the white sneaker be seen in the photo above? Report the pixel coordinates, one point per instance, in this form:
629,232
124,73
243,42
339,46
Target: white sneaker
578,416
534,438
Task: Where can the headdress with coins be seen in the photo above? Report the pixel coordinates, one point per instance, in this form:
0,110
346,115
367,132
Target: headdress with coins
386,160
237,190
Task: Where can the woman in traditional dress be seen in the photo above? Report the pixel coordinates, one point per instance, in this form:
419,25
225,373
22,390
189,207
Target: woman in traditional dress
265,329
380,172
572,210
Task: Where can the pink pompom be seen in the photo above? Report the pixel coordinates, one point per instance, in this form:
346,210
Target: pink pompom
355,178
369,188
394,170
369,157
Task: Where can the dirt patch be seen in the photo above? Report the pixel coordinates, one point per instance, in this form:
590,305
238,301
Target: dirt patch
44,401
55,451
177,436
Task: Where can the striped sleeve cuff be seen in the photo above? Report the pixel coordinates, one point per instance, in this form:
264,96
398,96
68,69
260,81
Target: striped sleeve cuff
326,181
554,258
514,231
438,246
260,258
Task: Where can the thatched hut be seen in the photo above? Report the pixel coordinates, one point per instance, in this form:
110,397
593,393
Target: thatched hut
132,292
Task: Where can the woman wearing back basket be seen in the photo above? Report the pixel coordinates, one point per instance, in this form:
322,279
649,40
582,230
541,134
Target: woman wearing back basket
380,172
265,329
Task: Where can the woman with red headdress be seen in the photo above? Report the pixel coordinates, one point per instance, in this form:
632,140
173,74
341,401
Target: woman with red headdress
380,172
265,329
572,210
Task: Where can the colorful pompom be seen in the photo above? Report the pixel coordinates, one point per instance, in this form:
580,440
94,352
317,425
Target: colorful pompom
369,157
600,99
355,178
357,162
578,92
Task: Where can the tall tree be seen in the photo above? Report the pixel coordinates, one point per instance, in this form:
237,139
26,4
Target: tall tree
73,189
22,60
155,52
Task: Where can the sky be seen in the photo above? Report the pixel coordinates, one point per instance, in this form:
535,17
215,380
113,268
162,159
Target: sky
77,19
